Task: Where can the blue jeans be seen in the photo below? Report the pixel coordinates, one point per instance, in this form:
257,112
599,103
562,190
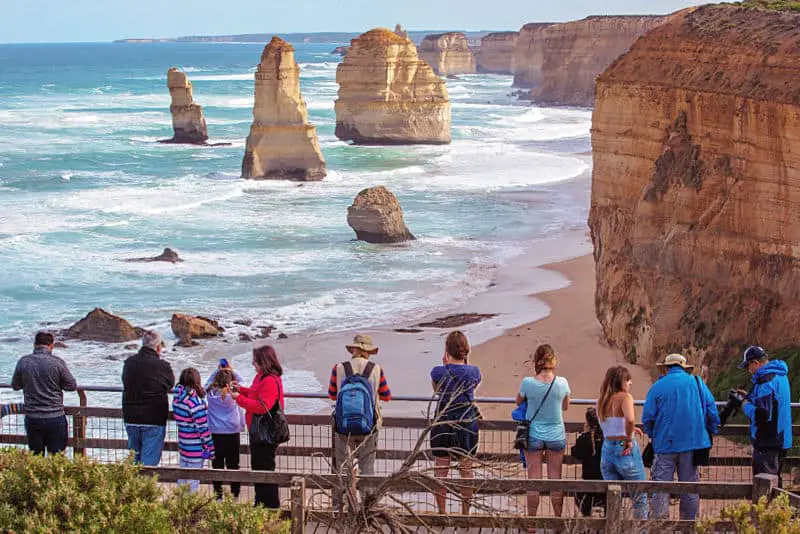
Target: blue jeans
46,433
196,463
615,466
146,442
664,467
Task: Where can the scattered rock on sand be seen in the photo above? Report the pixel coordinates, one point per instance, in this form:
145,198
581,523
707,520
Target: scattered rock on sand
60,345
244,336
265,331
454,321
100,325
168,255
282,336
243,322
376,217
408,330
131,346
188,327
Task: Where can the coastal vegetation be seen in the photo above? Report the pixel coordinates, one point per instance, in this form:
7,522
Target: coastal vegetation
777,5
775,517
60,494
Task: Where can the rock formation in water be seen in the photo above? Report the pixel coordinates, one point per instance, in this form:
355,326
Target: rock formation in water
376,217
282,144
387,95
496,54
187,328
529,55
695,213
575,53
188,123
99,325
399,30
340,50
448,53
168,256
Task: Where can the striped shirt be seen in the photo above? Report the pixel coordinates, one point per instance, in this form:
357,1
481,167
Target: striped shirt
191,417
380,388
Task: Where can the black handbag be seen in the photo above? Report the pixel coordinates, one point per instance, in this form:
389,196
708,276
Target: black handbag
702,456
649,455
524,427
271,427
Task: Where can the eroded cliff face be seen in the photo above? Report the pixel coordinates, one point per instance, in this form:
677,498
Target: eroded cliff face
448,53
188,123
566,58
529,55
388,95
282,144
695,213
496,54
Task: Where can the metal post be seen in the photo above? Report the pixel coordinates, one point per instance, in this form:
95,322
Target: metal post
79,427
298,505
763,486
614,509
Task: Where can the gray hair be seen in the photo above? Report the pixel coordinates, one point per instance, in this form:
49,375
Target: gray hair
151,339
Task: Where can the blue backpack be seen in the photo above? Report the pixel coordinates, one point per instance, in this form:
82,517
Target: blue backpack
355,403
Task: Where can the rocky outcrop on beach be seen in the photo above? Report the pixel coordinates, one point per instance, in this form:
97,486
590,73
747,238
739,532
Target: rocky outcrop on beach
399,30
529,55
376,217
496,53
168,255
448,53
188,327
696,187
100,325
387,95
340,50
573,54
188,123
282,144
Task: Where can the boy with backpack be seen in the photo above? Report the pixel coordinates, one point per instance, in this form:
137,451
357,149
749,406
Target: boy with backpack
356,386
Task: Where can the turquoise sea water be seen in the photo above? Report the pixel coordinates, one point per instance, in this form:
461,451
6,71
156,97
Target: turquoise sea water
84,185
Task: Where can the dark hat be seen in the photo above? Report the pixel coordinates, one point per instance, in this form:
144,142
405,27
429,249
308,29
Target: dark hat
752,354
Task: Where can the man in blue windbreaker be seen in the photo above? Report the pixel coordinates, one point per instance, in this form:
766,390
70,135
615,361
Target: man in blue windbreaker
768,407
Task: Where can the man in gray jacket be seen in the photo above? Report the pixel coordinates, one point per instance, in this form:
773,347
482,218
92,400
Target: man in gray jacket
43,378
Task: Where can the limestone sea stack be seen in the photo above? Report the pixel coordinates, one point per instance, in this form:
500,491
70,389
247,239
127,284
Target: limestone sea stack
529,55
188,123
573,54
399,30
388,96
695,213
448,53
282,144
376,217
496,54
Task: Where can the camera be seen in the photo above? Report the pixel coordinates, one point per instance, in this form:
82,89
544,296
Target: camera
735,399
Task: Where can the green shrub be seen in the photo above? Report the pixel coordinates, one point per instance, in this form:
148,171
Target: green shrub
57,494
777,517
776,5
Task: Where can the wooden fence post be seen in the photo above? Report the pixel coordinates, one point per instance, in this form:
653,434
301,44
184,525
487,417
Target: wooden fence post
763,486
298,505
614,509
79,427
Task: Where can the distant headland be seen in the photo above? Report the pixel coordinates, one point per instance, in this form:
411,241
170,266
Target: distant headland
314,37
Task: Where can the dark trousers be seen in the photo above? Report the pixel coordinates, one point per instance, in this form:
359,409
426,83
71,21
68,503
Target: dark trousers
226,456
48,433
769,462
262,458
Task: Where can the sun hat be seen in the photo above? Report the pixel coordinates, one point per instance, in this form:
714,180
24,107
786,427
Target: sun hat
751,354
676,359
363,342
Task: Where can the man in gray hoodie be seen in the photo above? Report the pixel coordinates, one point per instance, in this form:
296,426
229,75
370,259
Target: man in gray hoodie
43,379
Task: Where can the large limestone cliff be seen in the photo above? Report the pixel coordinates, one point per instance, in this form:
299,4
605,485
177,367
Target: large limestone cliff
496,54
573,54
387,95
188,123
282,144
529,55
448,53
695,213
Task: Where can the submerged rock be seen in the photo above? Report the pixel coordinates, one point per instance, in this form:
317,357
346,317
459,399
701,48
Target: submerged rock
168,255
188,327
376,217
100,325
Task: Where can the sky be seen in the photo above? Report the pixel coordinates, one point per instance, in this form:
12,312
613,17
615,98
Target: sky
106,20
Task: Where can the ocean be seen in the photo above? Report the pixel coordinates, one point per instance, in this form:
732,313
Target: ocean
84,185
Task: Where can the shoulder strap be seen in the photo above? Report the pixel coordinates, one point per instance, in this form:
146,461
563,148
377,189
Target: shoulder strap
367,369
348,369
543,399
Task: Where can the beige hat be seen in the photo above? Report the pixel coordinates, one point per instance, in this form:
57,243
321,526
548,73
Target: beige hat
363,342
676,359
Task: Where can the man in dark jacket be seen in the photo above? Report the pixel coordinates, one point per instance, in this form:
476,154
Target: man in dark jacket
768,407
43,379
146,380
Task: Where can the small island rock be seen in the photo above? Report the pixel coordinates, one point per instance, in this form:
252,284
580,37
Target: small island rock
376,217
100,325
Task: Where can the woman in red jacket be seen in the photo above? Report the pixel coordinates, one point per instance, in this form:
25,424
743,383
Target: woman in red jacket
266,390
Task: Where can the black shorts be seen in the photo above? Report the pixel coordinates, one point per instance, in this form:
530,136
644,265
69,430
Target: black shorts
454,440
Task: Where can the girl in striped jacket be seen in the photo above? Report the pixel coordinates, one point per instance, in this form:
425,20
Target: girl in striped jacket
191,417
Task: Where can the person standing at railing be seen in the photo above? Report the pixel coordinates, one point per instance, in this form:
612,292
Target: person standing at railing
43,379
621,458
680,416
226,422
588,449
454,435
548,398
191,417
265,391
146,381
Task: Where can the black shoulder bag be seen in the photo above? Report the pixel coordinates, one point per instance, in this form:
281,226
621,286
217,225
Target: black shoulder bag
271,427
524,427
702,456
